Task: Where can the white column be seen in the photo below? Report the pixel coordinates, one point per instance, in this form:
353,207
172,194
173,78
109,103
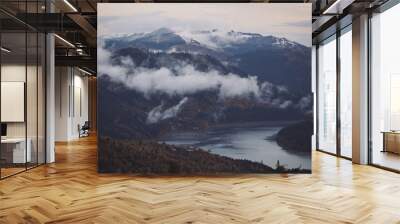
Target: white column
314,92
360,89
50,92
50,98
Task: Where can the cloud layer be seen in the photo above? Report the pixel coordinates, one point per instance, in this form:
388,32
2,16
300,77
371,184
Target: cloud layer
184,80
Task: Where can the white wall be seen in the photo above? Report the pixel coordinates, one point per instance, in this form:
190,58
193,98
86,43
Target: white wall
62,82
81,104
17,73
71,102
12,73
13,101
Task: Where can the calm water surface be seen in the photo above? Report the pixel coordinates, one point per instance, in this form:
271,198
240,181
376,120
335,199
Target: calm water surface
242,141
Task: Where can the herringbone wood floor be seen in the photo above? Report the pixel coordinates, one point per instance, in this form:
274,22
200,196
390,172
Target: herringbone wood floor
71,191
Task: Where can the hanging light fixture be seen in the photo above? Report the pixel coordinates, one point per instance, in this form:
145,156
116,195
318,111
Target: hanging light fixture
70,5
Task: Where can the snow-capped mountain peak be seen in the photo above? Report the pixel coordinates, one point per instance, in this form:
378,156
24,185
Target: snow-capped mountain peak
161,31
211,42
215,39
283,42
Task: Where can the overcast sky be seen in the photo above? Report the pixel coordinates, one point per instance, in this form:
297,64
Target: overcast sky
292,21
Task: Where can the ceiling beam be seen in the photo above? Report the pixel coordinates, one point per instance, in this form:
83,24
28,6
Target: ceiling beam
86,26
78,61
337,7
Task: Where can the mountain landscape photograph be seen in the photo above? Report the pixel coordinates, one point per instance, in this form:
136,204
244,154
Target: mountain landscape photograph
204,88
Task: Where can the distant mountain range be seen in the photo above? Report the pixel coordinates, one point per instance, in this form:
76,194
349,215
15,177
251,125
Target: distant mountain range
277,60
241,77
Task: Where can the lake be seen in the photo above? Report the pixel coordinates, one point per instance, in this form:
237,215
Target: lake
242,141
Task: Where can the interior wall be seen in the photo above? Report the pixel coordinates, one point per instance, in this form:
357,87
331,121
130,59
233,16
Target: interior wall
61,103
92,89
71,102
80,102
16,73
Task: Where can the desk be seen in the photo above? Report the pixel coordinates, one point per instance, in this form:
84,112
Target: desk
16,147
391,141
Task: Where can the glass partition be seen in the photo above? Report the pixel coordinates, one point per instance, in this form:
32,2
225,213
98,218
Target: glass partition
22,77
327,96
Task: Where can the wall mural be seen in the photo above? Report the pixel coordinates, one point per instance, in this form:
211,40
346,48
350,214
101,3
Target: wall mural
204,88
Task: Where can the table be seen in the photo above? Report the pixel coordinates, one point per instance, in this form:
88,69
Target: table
15,148
391,141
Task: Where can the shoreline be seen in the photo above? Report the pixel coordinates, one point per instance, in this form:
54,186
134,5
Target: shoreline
252,144
154,158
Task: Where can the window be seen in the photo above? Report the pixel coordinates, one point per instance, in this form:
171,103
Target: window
346,93
385,89
327,96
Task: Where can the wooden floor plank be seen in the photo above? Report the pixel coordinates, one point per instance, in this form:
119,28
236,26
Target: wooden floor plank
71,191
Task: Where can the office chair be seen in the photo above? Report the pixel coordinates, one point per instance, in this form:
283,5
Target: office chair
84,130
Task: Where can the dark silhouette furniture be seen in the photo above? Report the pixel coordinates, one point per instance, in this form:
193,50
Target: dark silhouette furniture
84,129
391,141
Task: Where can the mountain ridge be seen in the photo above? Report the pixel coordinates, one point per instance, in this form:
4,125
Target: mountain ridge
256,53
280,71
214,33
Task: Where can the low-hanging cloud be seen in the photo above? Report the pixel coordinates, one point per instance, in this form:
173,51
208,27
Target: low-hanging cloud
158,114
183,80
